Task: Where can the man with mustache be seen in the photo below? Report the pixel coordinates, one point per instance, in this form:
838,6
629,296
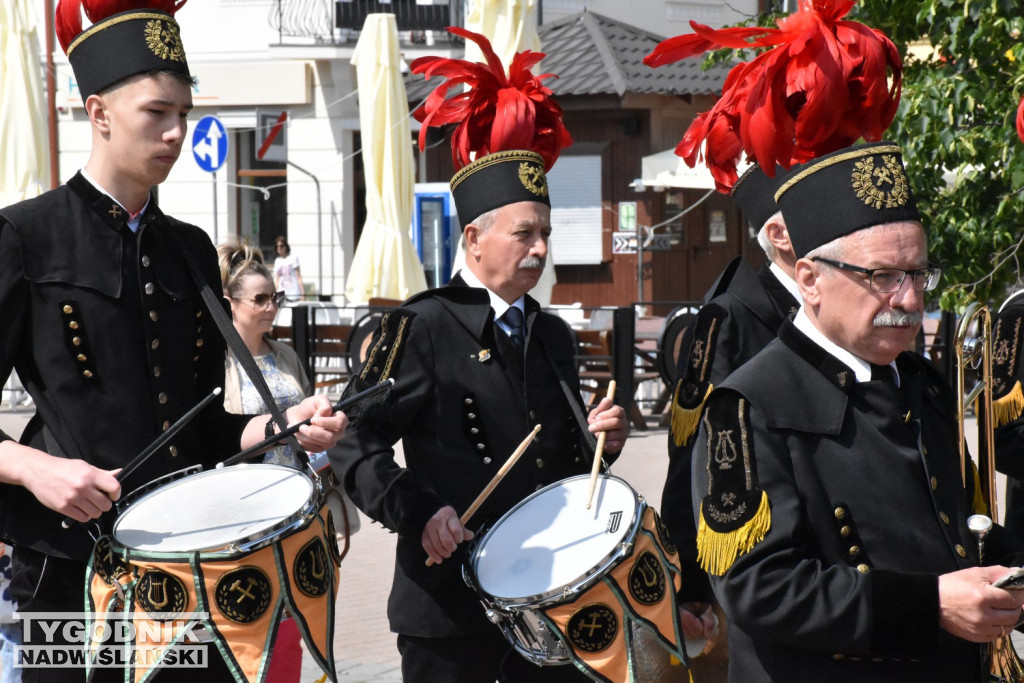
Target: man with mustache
477,365
831,512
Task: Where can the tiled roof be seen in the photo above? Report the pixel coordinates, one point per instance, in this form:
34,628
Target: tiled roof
595,55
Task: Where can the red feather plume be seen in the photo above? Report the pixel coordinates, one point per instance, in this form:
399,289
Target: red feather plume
823,85
68,22
1020,120
499,112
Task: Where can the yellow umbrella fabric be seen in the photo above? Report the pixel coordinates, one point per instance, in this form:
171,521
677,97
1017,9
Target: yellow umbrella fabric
511,26
385,263
24,149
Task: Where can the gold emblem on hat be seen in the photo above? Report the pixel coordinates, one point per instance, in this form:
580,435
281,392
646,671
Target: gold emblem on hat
164,40
883,187
532,178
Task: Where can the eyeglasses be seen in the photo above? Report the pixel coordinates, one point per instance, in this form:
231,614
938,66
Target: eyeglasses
889,280
263,300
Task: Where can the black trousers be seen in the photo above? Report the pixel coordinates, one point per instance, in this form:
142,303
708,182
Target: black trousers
479,658
43,583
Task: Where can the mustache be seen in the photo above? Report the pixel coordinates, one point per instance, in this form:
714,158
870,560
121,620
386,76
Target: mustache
531,262
897,318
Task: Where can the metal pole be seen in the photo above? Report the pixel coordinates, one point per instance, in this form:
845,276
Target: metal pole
51,98
319,228
215,238
639,262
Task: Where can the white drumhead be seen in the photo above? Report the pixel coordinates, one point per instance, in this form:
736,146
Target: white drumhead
213,509
551,539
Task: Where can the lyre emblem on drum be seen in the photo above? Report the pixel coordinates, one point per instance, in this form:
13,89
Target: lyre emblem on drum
318,569
725,449
158,588
647,579
310,570
161,594
614,520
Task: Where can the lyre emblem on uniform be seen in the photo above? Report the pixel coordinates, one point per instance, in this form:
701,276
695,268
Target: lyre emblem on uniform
1001,351
698,353
725,449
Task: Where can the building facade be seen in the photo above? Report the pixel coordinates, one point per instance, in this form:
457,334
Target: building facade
258,59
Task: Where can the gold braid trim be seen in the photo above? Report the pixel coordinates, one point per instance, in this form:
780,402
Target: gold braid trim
716,551
1008,408
685,421
978,504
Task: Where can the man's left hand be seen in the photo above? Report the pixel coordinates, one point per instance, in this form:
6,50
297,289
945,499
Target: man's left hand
610,418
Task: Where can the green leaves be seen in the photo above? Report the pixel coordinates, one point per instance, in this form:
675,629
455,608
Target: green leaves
956,126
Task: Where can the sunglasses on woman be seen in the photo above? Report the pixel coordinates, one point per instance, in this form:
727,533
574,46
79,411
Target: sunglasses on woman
263,300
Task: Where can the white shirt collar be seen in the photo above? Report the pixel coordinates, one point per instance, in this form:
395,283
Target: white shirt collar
133,223
497,303
787,282
861,368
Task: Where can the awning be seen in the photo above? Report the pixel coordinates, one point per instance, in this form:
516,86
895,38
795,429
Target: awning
665,169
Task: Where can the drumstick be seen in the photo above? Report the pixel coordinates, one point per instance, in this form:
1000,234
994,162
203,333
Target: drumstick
599,452
159,443
280,436
475,505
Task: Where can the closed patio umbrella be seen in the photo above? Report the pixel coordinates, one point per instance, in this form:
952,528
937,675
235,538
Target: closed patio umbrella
385,263
24,157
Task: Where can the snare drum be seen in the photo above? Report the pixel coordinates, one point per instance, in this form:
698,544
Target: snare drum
231,549
565,584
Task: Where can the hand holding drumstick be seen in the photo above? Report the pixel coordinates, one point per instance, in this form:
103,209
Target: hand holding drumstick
444,532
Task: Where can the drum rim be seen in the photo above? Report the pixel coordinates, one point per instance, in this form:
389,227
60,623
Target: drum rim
582,582
255,541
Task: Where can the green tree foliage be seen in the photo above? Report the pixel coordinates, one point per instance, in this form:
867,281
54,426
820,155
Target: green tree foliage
963,79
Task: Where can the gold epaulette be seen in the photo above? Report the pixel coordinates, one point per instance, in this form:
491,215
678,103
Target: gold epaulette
717,550
685,421
1009,407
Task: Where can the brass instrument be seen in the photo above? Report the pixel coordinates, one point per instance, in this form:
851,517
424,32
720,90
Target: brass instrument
976,352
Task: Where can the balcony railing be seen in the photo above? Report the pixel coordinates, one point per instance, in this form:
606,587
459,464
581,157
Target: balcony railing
334,21
411,15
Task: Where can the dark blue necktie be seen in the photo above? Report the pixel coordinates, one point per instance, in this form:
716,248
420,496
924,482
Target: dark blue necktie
513,317
883,373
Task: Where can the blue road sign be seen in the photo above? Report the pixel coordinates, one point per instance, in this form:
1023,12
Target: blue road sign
209,143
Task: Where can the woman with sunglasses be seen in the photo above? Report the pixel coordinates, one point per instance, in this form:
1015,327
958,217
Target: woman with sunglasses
249,288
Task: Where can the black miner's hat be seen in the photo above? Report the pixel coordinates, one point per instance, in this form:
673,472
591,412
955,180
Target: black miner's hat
754,193
499,179
120,45
834,195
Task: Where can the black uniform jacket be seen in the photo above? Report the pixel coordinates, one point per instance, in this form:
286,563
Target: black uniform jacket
867,508
1008,373
461,404
746,310
108,333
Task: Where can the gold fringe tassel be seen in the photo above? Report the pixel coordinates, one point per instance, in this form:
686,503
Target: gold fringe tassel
717,551
978,504
686,420
1008,408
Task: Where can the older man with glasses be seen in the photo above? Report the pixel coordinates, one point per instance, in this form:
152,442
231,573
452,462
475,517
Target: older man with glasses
831,511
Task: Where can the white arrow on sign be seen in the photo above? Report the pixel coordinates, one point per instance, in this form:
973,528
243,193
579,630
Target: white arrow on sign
210,146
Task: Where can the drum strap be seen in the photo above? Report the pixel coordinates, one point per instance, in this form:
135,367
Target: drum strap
574,403
234,340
